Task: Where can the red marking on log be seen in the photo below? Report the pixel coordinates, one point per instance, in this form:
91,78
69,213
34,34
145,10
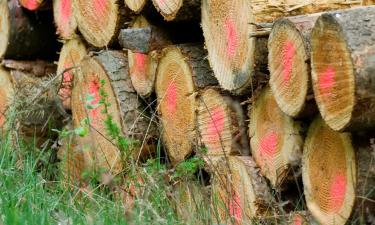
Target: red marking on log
268,145
100,7
171,98
326,81
66,86
31,4
140,63
288,54
297,220
65,10
337,192
94,87
235,207
216,125
232,37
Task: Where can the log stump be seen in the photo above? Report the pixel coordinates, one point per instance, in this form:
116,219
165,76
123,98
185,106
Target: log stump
182,71
221,124
343,65
71,55
290,80
240,195
66,24
6,96
338,179
178,10
26,35
100,21
106,73
142,67
275,139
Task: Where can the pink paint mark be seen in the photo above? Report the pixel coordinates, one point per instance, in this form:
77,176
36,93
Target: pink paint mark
31,4
140,63
288,54
94,87
326,81
216,125
66,87
268,145
232,37
297,220
171,98
66,11
337,192
235,207
100,7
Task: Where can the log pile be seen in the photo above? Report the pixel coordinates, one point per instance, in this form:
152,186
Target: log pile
266,92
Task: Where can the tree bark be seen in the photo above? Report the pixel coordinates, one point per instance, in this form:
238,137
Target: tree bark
38,68
26,35
182,72
178,10
343,61
289,64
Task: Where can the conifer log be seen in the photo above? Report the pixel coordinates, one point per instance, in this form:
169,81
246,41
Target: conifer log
136,5
234,55
343,65
25,35
338,179
37,68
275,139
71,55
178,10
100,21
65,22
106,72
142,67
6,96
240,195
289,64
182,71
34,5
221,123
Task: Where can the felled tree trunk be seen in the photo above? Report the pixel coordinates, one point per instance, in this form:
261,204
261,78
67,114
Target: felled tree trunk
137,5
178,9
343,62
289,64
275,139
100,21
221,124
6,96
338,179
25,35
71,55
240,195
104,79
34,5
37,68
65,21
182,71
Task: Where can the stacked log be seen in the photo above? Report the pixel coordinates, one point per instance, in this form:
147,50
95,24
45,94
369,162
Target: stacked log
64,18
178,10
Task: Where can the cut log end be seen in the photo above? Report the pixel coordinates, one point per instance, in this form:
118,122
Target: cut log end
177,104
168,8
288,65
136,5
71,55
65,21
6,94
31,4
4,27
329,174
98,21
275,140
226,28
221,124
239,193
332,73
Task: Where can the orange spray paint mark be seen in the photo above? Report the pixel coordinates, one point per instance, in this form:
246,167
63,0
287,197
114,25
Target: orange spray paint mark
171,98
216,125
297,220
140,63
100,7
65,89
94,87
268,145
288,54
337,192
31,4
66,10
232,37
326,81
235,207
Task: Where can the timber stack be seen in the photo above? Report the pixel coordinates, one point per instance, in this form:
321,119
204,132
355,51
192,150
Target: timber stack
277,98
